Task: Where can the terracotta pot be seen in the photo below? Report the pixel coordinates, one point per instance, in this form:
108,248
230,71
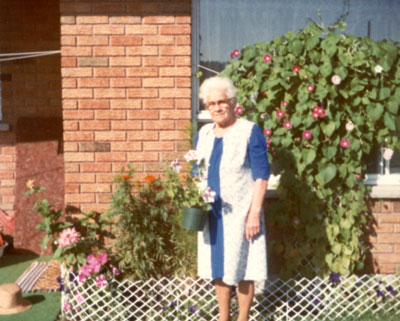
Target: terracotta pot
194,218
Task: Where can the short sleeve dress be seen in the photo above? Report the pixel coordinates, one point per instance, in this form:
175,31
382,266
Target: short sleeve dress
234,162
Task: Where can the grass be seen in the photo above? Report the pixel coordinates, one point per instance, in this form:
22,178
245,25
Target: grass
46,305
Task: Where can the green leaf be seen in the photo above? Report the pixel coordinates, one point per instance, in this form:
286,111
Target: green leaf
329,151
393,105
297,47
326,174
389,121
384,93
57,253
336,248
311,43
375,111
309,155
45,240
328,129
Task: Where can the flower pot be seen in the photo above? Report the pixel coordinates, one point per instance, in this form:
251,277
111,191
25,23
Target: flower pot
194,218
2,248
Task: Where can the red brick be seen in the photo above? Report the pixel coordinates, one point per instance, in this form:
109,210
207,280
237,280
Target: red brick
77,93
142,93
183,83
71,188
158,82
384,228
125,61
397,228
389,238
126,146
70,147
175,50
77,115
108,51
79,198
390,218
174,135
158,103
397,248
93,82
108,30
74,8
125,20
95,208
158,19
78,136
159,124
183,19
158,61
170,156
93,62
143,156
6,158
175,71
126,125
142,72
68,41
158,146
104,178
126,41
142,135
110,136
174,30
109,72
111,157
387,268
142,51
175,93
183,40
70,125
76,51
68,83
396,206
94,104
65,20
11,150
389,258
183,61
158,40
76,30
76,72
5,175
110,114
183,103
109,7
95,168
126,83
141,29
126,104
71,167
382,248
8,199
79,178
109,93
78,157
175,114
387,207
80,19
94,125
8,182
92,40
143,114
68,62
95,188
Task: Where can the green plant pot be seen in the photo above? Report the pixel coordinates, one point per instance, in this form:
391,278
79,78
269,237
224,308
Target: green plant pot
194,218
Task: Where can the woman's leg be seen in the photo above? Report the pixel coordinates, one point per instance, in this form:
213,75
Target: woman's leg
245,298
224,298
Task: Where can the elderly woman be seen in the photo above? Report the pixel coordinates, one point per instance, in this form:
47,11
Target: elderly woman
232,246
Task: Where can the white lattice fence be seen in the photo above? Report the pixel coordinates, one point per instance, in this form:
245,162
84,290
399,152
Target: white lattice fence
194,299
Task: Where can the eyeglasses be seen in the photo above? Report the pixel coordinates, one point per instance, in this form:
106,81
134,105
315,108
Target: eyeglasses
223,103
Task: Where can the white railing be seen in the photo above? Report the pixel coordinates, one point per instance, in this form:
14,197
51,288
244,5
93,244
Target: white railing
194,299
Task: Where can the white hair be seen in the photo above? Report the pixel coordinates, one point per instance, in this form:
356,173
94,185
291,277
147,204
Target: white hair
217,84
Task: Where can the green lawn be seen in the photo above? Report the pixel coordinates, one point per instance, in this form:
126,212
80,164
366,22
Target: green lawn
46,306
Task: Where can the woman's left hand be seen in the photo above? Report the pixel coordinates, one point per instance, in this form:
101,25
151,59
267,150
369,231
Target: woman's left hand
252,227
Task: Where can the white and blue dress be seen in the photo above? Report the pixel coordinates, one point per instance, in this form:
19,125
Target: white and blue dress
234,161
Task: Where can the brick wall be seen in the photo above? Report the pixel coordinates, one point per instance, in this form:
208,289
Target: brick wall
126,91
30,87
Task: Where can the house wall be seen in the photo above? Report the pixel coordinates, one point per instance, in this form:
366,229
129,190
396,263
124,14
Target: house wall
126,91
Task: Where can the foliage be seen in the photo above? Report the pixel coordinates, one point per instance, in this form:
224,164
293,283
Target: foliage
325,100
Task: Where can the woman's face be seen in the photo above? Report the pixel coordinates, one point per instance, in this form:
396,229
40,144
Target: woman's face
221,109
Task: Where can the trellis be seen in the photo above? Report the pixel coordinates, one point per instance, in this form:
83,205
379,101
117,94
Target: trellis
297,299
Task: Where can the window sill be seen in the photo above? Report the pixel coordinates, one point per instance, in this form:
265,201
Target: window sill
4,127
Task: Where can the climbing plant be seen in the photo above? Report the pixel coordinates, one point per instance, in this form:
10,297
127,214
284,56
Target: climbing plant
325,99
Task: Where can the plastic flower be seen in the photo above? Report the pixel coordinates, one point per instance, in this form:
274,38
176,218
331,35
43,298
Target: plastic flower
268,142
101,281
336,80
29,184
358,176
284,104
387,154
79,297
306,134
296,68
287,124
68,237
150,178
191,155
267,58
321,112
192,309
67,306
267,132
115,271
239,110
378,69
209,195
310,88
315,115
344,143
235,53
389,288
349,126
173,304
380,294
280,113
176,166
334,278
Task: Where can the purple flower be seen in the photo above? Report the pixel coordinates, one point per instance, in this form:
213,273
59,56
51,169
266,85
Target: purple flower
173,304
190,155
334,278
390,289
192,309
176,166
380,294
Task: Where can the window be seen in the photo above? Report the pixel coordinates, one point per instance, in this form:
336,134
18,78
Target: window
220,26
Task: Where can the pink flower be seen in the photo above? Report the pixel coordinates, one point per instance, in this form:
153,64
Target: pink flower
336,80
68,237
284,104
268,142
315,115
388,153
190,155
349,126
280,113
296,221
296,68
344,143
267,58
264,93
235,53
67,306
239,110
297,139
85,271
287,124
209,195
310,88
101,281
358,176
176,166
321,112
267,132
115,270
306,134
78,297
